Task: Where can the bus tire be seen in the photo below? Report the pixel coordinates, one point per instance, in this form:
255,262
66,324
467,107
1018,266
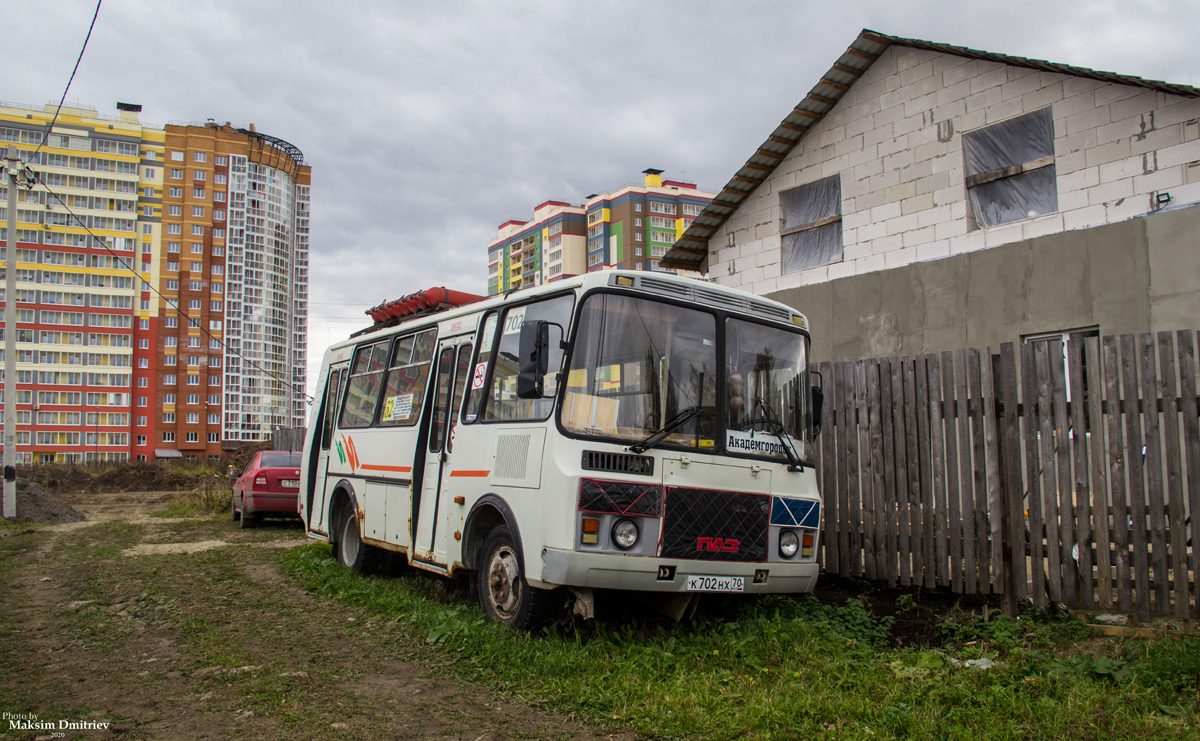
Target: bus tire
501,586
350,550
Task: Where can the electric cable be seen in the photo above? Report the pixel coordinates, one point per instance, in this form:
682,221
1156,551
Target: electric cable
78,59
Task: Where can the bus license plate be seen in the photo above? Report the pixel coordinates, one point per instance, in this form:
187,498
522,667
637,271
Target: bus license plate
715,583
291,483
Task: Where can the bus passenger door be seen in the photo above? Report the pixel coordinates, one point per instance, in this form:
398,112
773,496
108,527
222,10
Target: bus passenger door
317,493
453,359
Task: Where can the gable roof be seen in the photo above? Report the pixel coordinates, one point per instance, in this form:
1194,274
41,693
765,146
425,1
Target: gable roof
692,248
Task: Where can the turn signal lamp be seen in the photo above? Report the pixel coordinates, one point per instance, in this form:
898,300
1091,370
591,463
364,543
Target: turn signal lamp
807,550
591,530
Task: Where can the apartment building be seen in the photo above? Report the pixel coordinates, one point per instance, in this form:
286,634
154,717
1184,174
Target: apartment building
139,300
631,227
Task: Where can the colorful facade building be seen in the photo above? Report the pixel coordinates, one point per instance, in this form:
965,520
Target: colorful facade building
139,301
631,228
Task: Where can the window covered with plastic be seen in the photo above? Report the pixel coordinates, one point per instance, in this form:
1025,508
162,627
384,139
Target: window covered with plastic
811,232
1010,169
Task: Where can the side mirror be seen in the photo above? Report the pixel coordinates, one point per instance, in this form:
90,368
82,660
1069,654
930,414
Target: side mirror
533,361
818,404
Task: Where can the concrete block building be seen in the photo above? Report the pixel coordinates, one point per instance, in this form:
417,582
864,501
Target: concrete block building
926,197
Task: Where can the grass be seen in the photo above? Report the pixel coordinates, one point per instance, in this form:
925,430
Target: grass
777,667
207,501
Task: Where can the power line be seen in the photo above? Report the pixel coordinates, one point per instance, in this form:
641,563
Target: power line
123,262
72,78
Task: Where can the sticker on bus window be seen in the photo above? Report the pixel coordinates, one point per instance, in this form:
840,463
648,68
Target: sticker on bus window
398,407
480,374
489,331
513,320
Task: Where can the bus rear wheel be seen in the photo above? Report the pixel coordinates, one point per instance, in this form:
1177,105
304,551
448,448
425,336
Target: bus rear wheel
501,585
351,551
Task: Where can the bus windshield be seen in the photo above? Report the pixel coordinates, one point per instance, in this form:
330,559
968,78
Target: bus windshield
643,368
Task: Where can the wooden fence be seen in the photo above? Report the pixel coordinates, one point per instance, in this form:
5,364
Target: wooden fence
288,439
1050,471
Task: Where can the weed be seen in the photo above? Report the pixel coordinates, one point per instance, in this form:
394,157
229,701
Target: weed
206,501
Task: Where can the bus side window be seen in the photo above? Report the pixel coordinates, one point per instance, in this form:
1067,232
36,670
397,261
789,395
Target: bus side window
332,395
502,402
366,379
462,381
404,392
475,384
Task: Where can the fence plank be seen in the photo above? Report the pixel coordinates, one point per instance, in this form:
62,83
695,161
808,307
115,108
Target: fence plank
1100,501
1066,493
877,554
928,562
937,459
906,441
1049,495
859,470
846,463
953,511
1170,430
1133,465
1155,503
1116,461
887,370
914,469
829,468
1033,474
1191,444
965,472
984,462
1077,383
1005,503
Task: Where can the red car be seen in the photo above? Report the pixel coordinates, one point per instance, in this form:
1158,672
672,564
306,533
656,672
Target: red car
270,485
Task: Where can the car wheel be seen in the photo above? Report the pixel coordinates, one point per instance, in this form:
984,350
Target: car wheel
248,520
502,588
351,551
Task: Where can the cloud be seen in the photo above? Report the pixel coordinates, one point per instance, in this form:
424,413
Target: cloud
428,124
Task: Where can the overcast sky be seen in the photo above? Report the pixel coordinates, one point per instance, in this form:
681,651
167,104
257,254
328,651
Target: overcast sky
430,123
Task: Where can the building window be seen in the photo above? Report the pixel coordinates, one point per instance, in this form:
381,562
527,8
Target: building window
198,211
175,192
221,160
213,436
811,227
176,174
168,437
200,156
174,210
1010,169
199,175
192,437
637,207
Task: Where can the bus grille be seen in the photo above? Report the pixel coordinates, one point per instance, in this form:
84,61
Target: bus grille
594,460
715,525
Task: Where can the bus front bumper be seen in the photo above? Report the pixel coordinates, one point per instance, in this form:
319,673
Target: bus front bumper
652,574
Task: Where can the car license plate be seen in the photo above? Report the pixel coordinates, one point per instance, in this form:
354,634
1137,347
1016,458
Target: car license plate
698,583
291,483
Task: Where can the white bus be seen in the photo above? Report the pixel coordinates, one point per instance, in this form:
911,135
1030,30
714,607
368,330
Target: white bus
618,430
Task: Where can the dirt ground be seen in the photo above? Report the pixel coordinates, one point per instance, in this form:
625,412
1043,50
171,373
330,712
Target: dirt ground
83,638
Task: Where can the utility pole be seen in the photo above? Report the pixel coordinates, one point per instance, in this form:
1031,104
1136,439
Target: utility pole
13,168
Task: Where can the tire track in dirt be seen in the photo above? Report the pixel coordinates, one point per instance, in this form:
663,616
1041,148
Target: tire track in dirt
172,644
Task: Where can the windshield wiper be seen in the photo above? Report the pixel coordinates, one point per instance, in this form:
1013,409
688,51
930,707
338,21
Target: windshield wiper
675,422
769,417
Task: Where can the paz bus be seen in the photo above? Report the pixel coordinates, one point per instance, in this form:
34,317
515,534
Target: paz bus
617,430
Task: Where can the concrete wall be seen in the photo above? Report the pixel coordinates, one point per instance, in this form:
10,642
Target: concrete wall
1137,275
904,198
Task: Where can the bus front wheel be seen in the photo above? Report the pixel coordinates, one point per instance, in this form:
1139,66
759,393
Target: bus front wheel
502,588
351,551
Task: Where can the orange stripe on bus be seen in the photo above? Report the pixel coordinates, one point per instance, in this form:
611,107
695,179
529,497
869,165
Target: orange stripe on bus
395,469
471,474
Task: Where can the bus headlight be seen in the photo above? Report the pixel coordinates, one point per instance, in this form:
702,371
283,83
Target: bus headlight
788,543
624,534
